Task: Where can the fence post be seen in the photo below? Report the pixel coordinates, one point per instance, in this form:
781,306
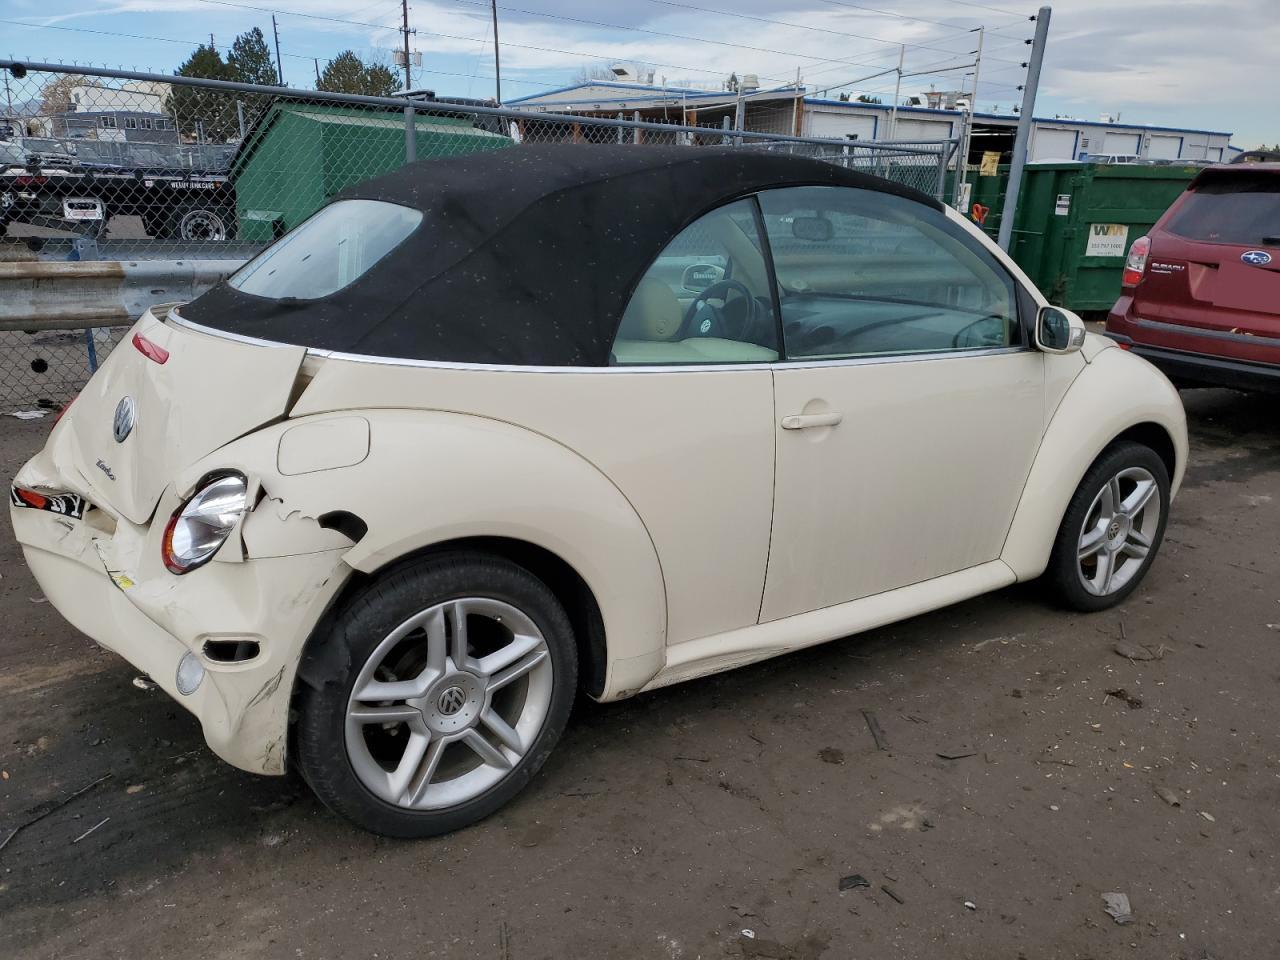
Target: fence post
1025,117
92,349
410,135
635,133
944,158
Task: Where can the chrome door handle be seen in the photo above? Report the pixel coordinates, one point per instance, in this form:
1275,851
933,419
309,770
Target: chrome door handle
804,421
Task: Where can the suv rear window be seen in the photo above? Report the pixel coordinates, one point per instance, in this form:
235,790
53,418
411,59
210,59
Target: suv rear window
1241,208
332,249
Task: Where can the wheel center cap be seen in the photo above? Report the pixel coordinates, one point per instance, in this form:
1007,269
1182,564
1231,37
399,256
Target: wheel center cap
1118,531
451,701
453,704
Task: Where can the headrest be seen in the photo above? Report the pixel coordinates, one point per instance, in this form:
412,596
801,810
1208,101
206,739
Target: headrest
653,314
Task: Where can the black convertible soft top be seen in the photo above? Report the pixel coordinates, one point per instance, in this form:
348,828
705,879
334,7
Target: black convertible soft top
526,255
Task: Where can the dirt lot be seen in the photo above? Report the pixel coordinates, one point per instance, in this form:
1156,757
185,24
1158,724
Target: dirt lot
671,825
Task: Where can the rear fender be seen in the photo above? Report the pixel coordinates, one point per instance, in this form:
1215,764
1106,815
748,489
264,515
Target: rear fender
428,478
1115,392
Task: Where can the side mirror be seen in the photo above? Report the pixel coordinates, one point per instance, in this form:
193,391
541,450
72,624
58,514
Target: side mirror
1059,331
698,276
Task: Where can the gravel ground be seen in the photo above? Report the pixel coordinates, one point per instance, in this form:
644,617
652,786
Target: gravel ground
717,818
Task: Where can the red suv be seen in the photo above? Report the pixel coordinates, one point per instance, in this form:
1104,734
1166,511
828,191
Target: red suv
1201,297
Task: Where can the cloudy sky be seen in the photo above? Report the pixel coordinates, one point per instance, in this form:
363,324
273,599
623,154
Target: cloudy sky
1201,65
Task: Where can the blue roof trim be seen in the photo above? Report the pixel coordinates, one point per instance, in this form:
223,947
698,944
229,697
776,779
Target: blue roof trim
645,93
1135,127
617,84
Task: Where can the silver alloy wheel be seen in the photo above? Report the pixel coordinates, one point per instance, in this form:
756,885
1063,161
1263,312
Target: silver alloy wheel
1118,531
448,703
201,225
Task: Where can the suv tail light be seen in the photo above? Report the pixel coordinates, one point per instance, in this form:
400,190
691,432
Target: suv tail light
1136,265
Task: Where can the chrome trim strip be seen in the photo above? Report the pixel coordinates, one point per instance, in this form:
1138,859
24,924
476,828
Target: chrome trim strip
630,368
1206,334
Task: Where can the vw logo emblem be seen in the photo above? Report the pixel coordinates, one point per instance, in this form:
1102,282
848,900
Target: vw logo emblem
451,701
125,419
1258,258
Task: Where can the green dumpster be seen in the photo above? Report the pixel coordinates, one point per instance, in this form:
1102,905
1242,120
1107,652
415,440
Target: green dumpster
1075,222
301,154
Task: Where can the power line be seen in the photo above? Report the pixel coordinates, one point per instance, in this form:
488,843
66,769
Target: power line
296,56
900,16
685,36
984,6
507,43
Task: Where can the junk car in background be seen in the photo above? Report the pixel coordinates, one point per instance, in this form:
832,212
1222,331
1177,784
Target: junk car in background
536,422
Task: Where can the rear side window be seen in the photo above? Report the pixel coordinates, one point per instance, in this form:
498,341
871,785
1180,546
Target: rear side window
1238,208
327,252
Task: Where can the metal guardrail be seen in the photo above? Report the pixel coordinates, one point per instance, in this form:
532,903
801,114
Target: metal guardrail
48,295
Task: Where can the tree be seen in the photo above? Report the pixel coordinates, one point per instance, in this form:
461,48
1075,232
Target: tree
864,98
55,96
347,73
250,59
206,116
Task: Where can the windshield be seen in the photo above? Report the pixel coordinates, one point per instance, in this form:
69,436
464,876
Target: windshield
1239,208
331,250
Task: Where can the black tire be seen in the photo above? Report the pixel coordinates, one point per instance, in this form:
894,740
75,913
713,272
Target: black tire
1063,575
336,655
196,222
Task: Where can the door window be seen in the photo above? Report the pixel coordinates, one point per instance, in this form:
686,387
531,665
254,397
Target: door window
863,273
705,299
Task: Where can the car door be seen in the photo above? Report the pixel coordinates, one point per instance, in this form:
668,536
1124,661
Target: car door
683,422
908,403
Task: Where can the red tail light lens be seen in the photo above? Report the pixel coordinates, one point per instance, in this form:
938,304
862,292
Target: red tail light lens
1135,267
150,350
29,181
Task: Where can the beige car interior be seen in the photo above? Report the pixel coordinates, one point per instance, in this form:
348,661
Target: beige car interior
651,323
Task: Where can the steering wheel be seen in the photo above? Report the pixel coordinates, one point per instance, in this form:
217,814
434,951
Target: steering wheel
716,328
962,334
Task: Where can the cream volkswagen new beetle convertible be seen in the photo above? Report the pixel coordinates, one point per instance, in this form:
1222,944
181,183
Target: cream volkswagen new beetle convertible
487,431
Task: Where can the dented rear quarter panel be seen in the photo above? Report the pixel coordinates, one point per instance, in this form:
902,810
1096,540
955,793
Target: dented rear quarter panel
430,478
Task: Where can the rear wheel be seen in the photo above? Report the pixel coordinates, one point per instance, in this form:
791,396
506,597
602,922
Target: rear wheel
436,695
197,222
1112,529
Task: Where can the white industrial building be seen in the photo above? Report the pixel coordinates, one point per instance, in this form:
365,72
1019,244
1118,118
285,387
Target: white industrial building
790,110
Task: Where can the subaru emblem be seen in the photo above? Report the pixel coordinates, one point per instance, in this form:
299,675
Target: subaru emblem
1257,258
125,418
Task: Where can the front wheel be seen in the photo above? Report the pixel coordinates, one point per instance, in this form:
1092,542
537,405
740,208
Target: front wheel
434,697
1112,529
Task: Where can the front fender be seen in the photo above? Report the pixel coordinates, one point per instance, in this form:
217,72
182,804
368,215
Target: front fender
1115,392
428,478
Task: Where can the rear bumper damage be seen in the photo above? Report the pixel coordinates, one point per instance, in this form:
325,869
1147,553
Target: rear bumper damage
104,575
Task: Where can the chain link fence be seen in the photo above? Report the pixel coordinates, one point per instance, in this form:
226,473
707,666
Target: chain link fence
121,165
43,369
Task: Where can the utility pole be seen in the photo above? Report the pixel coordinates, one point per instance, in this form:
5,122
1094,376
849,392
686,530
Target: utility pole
279,66
897,93
316,61
1024,127
966,136
497,65
211,43
404,7
795,108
